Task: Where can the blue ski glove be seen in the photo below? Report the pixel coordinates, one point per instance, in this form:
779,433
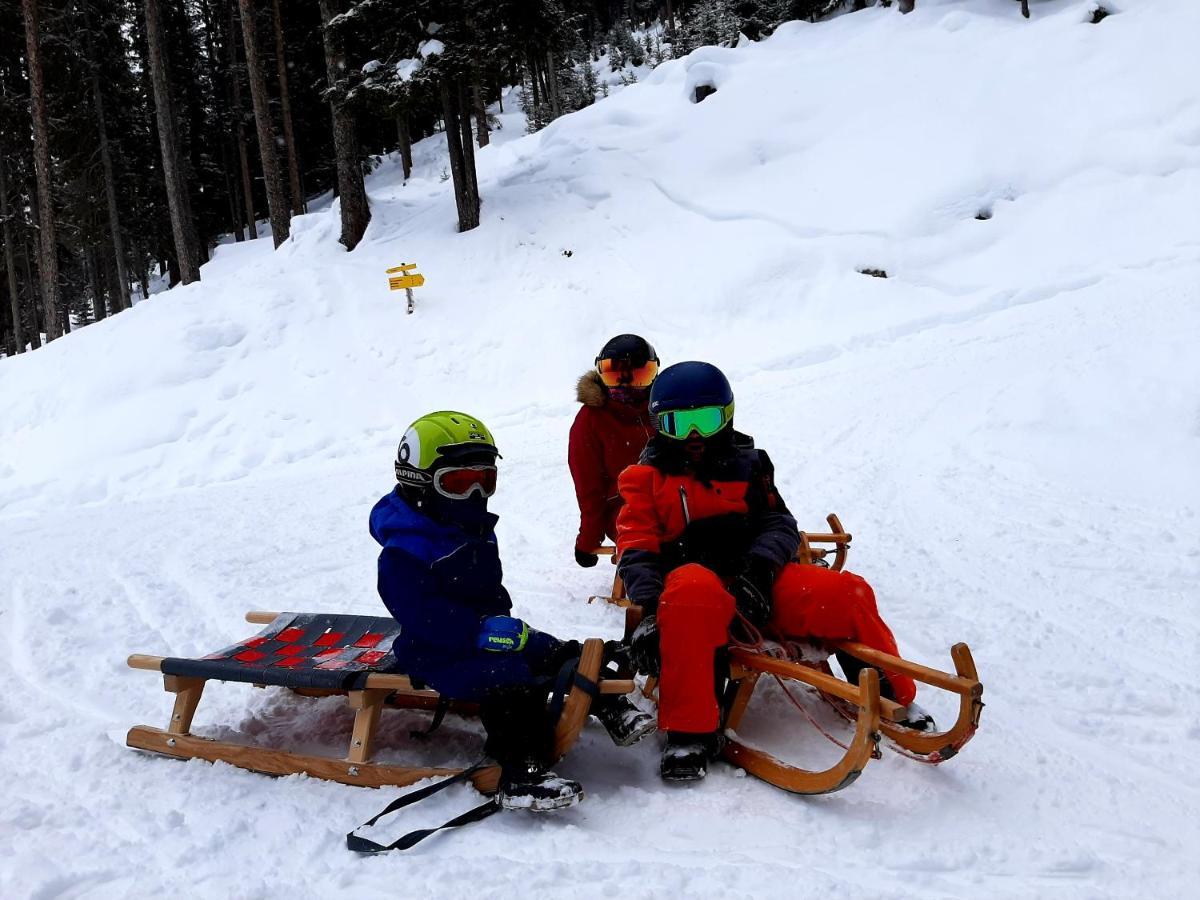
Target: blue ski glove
502,634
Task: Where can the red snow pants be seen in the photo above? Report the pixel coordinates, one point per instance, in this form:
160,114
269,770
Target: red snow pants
695,611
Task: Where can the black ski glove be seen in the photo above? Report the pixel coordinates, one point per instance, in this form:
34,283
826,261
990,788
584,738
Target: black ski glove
643,647
585,559
752,590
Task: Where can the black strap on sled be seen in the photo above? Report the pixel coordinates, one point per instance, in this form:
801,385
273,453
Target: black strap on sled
439,713
361,844
567,678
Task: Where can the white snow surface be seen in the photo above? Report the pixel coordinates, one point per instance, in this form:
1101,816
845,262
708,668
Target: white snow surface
1009,424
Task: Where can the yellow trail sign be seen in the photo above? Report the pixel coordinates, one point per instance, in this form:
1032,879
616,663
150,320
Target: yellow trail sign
403,267
406,281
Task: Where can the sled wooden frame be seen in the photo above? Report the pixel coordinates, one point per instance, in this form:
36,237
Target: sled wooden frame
380,690
806,553
935,746
745,669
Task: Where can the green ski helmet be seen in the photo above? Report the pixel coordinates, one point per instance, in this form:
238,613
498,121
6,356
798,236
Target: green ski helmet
440,440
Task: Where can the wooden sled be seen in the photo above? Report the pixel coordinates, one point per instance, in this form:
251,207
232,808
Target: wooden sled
326,655
873,716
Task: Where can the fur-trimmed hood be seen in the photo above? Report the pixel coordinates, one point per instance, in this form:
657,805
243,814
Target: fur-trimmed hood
589,390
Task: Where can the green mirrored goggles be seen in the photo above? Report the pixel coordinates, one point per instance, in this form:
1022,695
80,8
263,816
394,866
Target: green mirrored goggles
704,421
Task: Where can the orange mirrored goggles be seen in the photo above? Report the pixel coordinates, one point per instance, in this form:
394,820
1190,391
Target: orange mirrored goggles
620,372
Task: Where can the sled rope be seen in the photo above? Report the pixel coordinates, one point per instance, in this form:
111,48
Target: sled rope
753,640
361,844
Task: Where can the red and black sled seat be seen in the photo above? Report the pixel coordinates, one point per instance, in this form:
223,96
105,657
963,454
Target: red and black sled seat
323,655
301,650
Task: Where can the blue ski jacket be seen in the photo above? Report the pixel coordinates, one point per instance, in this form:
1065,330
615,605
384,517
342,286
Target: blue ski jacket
439,582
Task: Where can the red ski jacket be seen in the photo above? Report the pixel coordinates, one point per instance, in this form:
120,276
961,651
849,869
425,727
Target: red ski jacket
606,437
719,518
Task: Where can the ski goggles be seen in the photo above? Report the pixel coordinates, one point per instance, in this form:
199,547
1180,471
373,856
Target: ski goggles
459,482
621,372
704,421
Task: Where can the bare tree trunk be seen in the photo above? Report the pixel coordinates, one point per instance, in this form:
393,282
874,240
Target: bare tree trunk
48,255
465,198
285,108
352,193
92,269
9,260
468,145
277,206
533,83
480,109
405,138
33,303
552,84
220,80
240,127
671,17
110,195
178,202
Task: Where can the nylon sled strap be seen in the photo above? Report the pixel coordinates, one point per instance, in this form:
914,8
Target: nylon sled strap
365,845
439,713
568,677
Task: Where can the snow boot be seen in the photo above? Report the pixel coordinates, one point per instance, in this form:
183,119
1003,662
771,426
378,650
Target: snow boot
624,722
917,718
530,785
686,756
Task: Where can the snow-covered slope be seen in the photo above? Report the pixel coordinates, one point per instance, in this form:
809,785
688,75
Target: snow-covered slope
1008,423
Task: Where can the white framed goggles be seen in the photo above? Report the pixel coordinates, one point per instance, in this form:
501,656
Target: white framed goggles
460,482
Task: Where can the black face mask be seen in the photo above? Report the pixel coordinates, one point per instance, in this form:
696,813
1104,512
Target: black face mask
696,455
470,514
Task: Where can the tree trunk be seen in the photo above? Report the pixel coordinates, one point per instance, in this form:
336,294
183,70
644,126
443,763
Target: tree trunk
92,268
48,254
533,81
277,206
33,303
352,193
405,138
240,127
467,203
178,202
671,17
480,110
121,300
285,109
10,264
468,144
552,84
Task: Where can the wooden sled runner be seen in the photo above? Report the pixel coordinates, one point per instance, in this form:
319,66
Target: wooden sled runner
327,655
873,716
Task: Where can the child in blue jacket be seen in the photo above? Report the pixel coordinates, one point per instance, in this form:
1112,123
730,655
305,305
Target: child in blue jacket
440,578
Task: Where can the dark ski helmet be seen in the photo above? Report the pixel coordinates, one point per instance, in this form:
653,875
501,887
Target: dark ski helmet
691,398
627,361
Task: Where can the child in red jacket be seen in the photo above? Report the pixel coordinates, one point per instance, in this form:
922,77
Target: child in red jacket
608,434
705,535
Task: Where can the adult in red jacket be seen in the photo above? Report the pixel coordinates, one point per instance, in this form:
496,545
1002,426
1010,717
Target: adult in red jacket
608,434
704,534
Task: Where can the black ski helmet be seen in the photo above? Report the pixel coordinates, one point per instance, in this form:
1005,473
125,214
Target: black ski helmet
689,385
631,347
